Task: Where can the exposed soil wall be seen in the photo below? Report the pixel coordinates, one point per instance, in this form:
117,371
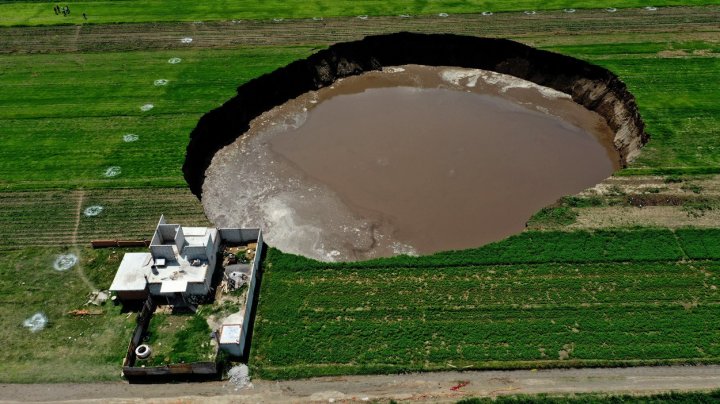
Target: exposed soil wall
595,88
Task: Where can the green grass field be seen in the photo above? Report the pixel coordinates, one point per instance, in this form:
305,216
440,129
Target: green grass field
630,297
70,348
102,12
613,296
64,117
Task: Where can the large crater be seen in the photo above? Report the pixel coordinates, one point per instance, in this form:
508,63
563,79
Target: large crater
327,184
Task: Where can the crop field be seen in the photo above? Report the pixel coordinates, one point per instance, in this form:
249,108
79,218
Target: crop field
398,318
104,11
625,273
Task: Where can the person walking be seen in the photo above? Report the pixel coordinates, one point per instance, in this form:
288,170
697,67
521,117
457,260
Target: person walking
84,16
55,10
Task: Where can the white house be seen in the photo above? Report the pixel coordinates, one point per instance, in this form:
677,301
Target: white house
180,264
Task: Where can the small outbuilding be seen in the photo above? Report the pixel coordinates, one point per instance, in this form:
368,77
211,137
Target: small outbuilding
231,339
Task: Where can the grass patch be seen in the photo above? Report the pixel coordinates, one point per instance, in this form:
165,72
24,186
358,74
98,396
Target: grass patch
48,218
102,12
70,348
553,217
178,338
643,244
61,133
594,398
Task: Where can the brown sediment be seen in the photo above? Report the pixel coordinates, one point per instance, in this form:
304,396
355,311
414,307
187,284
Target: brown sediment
413,159
590,86
593,87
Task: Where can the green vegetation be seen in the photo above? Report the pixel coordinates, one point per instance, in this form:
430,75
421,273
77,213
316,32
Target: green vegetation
538,299
553,216
636,245
64,116
676,96
178,338
70,348
128,214
549,308
675,397
106,11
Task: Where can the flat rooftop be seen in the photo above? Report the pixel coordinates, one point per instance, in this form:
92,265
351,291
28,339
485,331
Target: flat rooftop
135,268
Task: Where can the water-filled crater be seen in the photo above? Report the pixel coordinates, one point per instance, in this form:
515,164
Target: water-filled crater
414,158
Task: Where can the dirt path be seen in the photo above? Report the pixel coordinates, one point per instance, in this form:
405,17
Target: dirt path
78,212
74,241
425,387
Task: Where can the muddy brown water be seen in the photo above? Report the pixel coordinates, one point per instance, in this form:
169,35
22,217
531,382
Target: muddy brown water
412,160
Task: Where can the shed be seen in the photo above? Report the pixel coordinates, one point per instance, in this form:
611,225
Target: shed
230,335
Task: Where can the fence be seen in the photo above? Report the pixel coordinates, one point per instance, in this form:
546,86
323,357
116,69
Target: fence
159,373
119,243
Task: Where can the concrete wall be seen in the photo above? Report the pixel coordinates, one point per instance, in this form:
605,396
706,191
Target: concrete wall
252,292
166,232
199,252
129,296
211,247
239,236
179,238
198,288
163,251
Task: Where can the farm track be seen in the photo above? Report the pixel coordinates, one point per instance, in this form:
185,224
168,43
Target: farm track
545,28
432,387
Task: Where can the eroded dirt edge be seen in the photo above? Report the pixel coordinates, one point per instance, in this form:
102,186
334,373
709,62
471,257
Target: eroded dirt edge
594,87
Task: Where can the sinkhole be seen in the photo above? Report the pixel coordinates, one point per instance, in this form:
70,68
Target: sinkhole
409,144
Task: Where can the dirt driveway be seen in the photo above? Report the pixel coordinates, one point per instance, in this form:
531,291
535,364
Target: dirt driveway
424,387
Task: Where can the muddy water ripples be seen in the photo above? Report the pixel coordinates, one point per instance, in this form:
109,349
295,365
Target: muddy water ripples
410,160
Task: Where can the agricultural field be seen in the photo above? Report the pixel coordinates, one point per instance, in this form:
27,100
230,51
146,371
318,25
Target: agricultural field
625,273
535,300
14,12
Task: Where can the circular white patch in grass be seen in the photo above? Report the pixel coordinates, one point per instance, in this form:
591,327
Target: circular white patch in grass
198,22
94,210
317,18
63,262
187,39
443,15
569,10
174,61
530,12
160,82
611,9
36,322
404,16
362,17
146,107
487,13
112,171
651,8
130,137
278,19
